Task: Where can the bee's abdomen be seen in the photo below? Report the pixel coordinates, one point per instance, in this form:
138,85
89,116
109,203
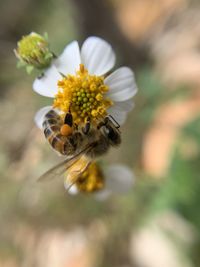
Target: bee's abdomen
52,124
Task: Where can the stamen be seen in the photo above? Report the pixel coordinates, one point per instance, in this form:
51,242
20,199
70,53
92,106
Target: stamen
84,94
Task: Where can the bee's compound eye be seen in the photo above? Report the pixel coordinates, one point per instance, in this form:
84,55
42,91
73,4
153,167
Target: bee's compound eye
66,130
112,135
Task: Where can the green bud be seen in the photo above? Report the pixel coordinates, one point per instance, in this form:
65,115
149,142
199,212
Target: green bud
33,51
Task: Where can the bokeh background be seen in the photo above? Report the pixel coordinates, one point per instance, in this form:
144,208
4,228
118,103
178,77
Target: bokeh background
157,224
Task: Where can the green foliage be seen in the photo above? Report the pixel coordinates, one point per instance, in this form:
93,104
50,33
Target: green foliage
181,189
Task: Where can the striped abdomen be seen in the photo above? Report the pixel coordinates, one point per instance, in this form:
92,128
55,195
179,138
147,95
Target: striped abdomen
63,144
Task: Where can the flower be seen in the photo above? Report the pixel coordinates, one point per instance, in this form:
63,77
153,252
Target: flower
99,179
33,52
78,81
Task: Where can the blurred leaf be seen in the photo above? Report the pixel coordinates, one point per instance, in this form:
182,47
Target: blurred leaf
149,84
181,189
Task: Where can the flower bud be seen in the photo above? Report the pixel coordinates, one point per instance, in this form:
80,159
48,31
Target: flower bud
33,51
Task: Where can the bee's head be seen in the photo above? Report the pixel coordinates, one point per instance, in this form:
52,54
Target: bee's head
110,131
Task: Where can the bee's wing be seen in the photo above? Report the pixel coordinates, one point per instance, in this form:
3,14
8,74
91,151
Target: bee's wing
62,167
57,170
69,182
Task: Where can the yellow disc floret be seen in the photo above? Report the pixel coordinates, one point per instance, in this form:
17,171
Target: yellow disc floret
84,95
87,177
91,180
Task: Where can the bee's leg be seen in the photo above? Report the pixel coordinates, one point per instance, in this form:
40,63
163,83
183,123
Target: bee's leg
103,123
68,119
100,125
117,124
86,128
76,126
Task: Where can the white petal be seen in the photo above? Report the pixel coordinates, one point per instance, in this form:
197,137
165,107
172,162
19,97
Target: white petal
68,62
122,85
47,84
119,178
97,55
102,195
73,189
39,116
118,115
124,105
120,110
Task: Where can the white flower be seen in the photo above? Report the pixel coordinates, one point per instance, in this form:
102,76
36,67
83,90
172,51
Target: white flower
113,179
96,57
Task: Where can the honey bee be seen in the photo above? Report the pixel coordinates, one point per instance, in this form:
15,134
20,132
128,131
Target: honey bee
69,140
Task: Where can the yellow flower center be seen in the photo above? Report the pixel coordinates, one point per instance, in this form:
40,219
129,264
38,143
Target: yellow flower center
91,180
84,95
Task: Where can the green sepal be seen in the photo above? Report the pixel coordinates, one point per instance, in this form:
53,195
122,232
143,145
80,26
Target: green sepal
48,56
20,64
29,69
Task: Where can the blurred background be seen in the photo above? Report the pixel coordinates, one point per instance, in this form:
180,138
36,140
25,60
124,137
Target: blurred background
157,224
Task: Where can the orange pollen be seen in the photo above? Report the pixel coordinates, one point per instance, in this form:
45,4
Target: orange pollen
66,130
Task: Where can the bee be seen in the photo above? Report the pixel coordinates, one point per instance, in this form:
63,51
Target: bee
90,141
